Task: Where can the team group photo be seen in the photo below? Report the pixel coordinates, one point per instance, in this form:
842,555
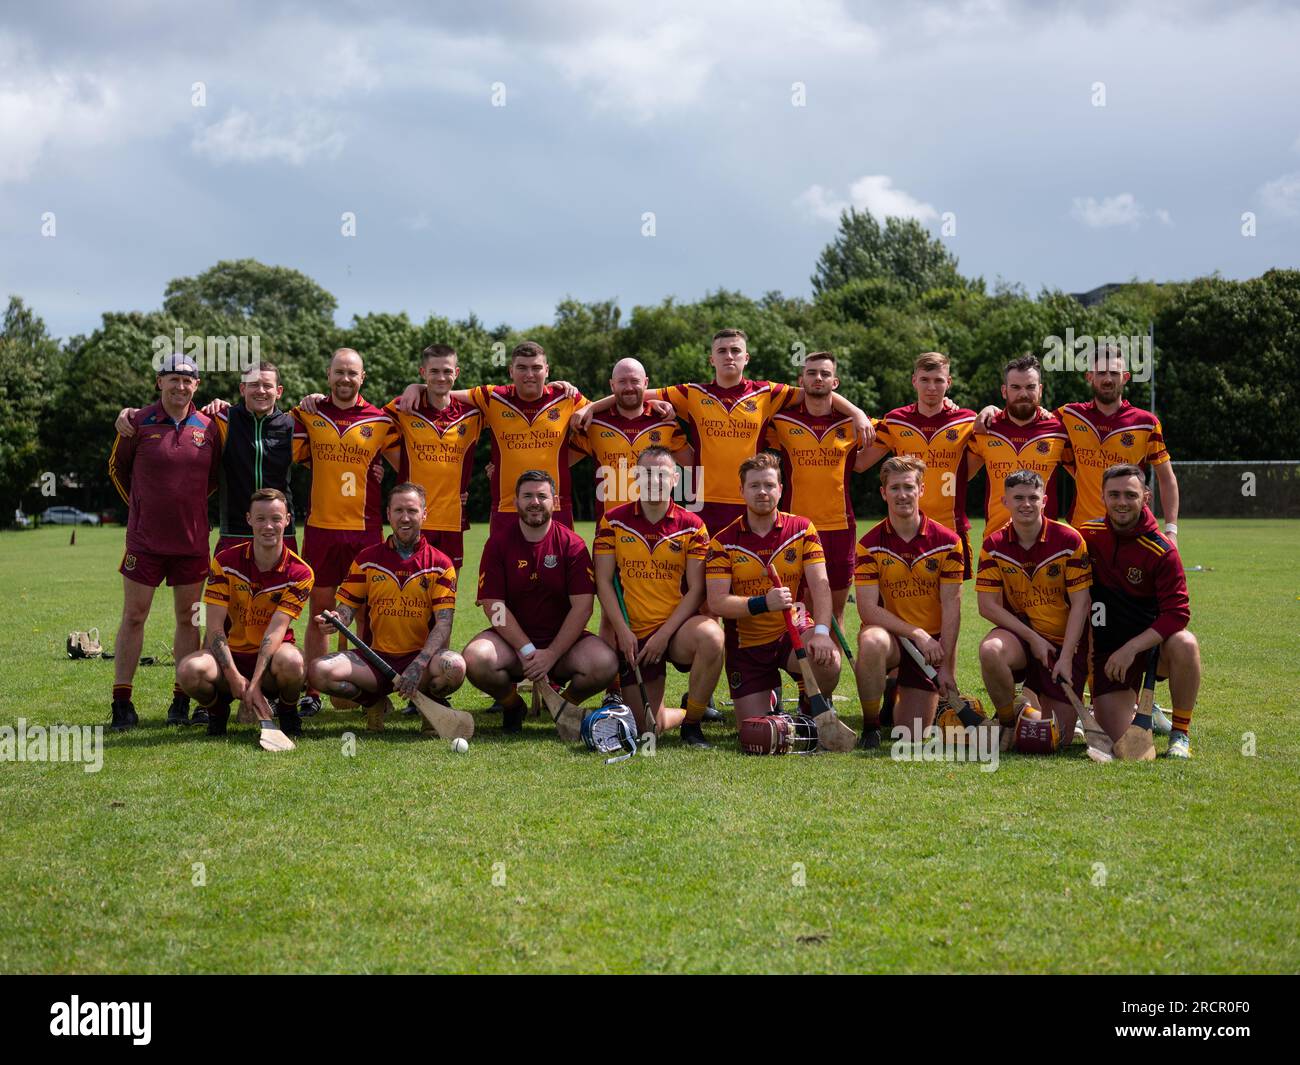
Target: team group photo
894,620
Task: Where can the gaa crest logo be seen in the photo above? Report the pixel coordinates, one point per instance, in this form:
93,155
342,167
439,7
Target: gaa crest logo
749,406
198,437
417,424
318,424
951,435
791,554
1054,570
654,436
367,431
1127,439
627,539
462,430
932,565
553,414
1134,575
839,433
128,562
1043,447
550,561
673,545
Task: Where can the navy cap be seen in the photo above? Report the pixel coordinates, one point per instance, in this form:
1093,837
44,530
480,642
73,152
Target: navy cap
178,363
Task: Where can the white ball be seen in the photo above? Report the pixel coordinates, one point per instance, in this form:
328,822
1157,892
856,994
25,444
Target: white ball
460,745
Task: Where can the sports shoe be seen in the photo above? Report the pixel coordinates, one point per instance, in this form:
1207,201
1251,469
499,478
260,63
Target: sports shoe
1180,746
218,716
199,717
1160,723
409,710
375,715
309,706
712,713
124,716
693,736
869,740
179,711
512,718
290,722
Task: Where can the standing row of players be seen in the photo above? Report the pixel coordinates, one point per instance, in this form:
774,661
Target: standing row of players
538,429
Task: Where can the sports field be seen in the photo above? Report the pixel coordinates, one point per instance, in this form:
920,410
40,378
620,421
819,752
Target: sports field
525,855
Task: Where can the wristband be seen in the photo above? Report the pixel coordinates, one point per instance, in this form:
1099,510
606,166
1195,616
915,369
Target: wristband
758,604
1171,527
526,650
822,630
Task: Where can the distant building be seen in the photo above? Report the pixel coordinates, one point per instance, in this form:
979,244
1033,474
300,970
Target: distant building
1095,296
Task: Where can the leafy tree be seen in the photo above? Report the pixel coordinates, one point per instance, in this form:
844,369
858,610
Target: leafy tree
29,359
902,250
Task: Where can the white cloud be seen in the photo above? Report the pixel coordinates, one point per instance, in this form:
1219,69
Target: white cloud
1282,194
1121,210
242,138
1165,218
874,192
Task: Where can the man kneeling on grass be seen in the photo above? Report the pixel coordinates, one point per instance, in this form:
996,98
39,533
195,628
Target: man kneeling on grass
409,587
1033,583
258,588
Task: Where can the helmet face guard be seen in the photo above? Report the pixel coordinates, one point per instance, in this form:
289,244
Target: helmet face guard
611,729
778,734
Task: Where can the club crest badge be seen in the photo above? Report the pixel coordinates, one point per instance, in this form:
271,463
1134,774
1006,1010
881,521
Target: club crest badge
367,431
654,436
791,554
553,414
1134,575
932,564
198,437
1043,447
1127,439
952,435
550,561
1054,570
128,562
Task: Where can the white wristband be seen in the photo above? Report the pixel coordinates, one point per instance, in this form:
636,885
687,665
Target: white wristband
1171,527
822,630
526,650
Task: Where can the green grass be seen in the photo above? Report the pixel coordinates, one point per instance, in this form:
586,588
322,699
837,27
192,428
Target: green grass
681,862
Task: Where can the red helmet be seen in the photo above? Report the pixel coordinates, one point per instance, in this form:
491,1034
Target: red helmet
778,734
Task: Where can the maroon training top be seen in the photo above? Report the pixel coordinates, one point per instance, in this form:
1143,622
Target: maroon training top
535,580
165,474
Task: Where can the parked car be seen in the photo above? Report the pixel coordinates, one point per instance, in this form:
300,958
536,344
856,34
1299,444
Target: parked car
67,516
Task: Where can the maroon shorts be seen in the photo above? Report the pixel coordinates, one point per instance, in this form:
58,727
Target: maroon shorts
967,571
650,671
841,547
331,552
239,541
145,567
399,664
451,544
717,516
1103,685
758,668
1039,680
505,519
910,675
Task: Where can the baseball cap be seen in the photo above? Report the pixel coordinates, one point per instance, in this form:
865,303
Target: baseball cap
178,363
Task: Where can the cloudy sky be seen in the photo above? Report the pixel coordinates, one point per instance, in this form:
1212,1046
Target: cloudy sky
501,157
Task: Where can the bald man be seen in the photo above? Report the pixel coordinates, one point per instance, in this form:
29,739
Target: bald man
339,440
614,438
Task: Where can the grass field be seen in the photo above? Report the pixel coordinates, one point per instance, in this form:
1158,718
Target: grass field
526,855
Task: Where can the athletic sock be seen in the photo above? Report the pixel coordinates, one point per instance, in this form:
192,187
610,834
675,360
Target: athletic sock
1007,714
695,711
1142,721
286,708
871,713
1182,721
513,701
216,695
122,693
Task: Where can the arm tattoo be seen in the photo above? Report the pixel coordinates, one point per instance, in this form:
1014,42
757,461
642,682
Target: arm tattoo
345,613
221,650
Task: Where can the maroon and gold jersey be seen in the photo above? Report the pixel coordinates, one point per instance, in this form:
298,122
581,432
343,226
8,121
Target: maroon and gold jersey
742,556
252,596
527,435
817,455
165,473
1138,577
1041,446
536,579
725,427
1099,441
1036,582
437,453
651,559
909,572
402,595
615,442
940,441
340,444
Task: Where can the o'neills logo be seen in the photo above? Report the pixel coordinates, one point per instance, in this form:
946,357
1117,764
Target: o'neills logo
102,1018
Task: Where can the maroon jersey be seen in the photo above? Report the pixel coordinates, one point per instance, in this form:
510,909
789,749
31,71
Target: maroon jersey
535,580
165,473
1138,577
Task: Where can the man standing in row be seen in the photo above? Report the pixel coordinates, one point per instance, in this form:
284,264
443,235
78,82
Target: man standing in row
164,472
